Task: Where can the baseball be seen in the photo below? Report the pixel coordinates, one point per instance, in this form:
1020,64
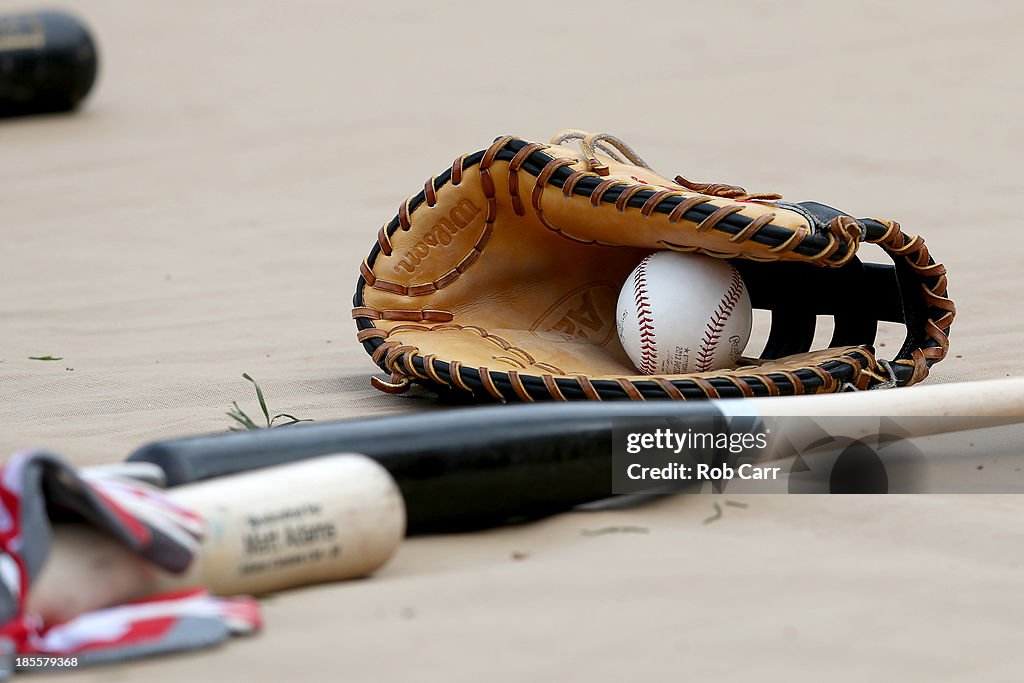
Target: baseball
681,313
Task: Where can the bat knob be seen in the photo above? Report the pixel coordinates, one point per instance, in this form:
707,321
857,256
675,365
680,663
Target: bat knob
48,63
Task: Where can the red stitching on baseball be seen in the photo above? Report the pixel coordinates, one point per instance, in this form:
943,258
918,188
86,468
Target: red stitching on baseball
645,321
713,331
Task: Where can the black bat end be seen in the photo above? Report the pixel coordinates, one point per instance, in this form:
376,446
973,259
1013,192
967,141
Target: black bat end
48,63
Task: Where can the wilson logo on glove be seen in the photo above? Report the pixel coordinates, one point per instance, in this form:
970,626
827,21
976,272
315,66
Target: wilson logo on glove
441,234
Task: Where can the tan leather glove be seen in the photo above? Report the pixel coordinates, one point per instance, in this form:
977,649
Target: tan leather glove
500,279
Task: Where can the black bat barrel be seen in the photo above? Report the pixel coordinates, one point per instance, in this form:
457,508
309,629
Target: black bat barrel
457,469
48,63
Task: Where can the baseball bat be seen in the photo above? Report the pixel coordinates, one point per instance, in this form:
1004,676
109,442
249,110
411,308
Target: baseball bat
473,467
47,63
326,519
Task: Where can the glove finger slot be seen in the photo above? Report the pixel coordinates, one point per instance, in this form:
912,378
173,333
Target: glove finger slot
857,296
854,330
791,332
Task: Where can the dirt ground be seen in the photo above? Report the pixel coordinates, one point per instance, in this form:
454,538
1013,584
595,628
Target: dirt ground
204,215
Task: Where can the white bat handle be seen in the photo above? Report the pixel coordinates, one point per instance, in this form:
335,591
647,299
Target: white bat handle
997,397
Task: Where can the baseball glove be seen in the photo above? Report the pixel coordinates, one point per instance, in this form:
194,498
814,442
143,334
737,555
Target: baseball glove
500,280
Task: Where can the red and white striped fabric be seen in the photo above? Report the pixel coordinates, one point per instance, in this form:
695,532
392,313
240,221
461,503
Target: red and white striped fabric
34,485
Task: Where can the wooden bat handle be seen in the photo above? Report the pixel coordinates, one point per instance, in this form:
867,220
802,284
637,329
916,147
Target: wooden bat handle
324,519
985,398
